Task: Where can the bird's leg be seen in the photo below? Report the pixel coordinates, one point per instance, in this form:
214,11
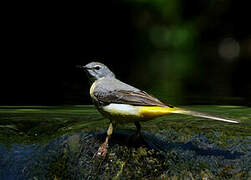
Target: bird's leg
136,139
138,126
103,148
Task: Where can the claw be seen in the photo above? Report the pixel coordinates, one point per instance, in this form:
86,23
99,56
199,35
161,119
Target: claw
102,151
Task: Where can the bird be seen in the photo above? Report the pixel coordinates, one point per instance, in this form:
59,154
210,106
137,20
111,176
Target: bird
122,103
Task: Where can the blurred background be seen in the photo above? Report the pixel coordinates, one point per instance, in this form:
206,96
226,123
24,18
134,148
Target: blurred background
183,52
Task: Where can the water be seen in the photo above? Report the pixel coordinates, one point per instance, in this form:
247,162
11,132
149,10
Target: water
59,143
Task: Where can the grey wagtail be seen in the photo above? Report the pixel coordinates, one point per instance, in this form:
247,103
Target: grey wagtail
122,103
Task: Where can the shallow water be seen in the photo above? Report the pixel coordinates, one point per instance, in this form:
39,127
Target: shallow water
39,142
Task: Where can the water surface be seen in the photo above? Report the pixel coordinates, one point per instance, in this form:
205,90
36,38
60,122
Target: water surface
40,142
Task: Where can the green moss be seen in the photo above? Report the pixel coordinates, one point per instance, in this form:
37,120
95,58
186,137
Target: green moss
58,169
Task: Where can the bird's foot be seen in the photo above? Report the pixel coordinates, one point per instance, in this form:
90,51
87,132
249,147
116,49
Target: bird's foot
102,150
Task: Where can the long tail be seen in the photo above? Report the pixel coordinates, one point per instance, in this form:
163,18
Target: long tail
204,115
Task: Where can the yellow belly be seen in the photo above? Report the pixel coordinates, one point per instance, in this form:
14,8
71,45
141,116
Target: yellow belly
155,111
123,113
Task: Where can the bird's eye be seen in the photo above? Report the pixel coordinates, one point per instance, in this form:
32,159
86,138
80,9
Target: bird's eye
97,67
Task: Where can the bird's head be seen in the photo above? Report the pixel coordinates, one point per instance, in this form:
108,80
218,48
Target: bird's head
96,70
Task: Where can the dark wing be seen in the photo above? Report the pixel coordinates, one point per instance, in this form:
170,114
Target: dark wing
137,98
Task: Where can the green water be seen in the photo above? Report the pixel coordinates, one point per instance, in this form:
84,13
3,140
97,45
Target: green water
40,142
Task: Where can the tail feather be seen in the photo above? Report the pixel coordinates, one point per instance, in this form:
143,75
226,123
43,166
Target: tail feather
204,115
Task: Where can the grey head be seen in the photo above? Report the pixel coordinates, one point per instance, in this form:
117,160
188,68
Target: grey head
97,70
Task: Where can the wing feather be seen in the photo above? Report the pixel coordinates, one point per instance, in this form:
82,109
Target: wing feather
137,98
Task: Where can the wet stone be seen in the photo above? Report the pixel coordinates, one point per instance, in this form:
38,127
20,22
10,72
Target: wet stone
71,157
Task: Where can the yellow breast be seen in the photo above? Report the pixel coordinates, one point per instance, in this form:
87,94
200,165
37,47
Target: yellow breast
92,89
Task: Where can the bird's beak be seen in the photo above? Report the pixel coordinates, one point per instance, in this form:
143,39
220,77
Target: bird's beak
79,66
82,67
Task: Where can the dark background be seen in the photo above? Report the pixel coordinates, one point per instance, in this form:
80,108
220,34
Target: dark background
183,52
